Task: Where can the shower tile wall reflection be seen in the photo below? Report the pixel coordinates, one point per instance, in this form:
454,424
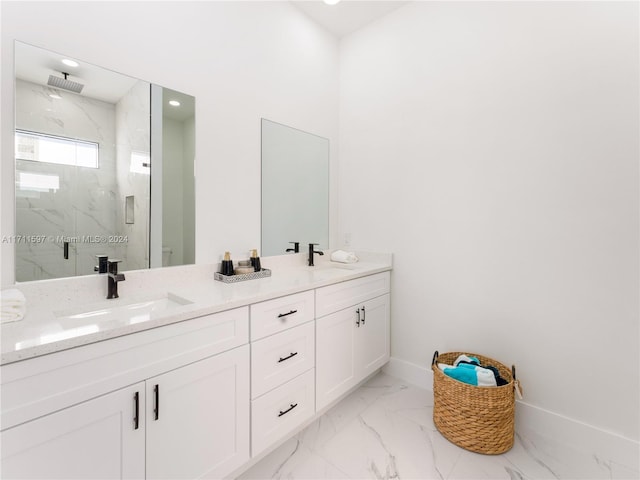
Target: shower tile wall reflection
88,203
133,133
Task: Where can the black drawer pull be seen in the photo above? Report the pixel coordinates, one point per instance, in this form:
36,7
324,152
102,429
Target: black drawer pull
358,319
136,415
293,405
156,410
363,315
282,359
285,314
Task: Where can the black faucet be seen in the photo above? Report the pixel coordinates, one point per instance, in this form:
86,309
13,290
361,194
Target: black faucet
312,251
113,277
295,249
102,264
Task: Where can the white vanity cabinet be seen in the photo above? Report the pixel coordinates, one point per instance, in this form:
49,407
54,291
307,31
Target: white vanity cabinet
187,416
196,398
352,334
193,422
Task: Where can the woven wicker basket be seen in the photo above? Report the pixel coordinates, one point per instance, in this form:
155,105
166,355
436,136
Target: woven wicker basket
479,419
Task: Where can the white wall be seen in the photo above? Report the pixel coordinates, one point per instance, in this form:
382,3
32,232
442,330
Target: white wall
241,60
493,148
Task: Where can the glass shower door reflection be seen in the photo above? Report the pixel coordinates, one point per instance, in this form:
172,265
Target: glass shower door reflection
67,208
45,220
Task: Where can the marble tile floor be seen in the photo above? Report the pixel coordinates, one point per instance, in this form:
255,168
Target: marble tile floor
384,430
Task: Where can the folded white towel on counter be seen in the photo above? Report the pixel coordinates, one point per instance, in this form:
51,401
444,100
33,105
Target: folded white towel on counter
343,257
13,305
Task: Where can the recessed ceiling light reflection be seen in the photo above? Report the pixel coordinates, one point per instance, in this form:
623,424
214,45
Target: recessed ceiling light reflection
174,103
70,63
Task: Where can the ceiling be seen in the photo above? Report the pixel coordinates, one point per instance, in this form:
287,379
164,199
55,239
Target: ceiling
348,15
35,64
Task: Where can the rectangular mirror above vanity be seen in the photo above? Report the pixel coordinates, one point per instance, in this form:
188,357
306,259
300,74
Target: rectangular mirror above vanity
295,188
104,165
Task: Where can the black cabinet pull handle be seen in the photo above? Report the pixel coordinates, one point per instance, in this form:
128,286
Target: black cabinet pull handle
285,314
358,319
136,415
66,250
293,405
282,359
363,315
156,410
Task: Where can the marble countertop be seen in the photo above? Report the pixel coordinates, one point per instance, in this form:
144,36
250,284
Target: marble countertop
67,313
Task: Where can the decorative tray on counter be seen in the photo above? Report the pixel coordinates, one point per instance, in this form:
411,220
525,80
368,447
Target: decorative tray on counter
265,272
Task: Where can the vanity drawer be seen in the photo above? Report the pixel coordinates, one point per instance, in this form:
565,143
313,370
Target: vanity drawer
341,295
281,411
279,314
279,358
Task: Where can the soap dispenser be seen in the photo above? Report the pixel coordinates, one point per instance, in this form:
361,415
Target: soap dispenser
255,261
227,265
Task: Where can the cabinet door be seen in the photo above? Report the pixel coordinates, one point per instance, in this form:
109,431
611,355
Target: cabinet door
94,439
198,418
372,339
335,355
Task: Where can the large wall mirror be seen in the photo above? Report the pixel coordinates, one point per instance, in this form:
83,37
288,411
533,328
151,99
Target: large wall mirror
295,188
104,165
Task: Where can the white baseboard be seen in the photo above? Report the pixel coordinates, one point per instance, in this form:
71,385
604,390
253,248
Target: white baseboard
584,437
410,372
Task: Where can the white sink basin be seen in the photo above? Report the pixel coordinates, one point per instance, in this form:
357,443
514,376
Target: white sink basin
104,316
335,266
330,270
133,311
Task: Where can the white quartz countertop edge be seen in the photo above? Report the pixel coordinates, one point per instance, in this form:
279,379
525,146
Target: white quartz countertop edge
24,339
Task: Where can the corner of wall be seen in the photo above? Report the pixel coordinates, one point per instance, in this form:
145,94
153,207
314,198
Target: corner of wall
544,423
